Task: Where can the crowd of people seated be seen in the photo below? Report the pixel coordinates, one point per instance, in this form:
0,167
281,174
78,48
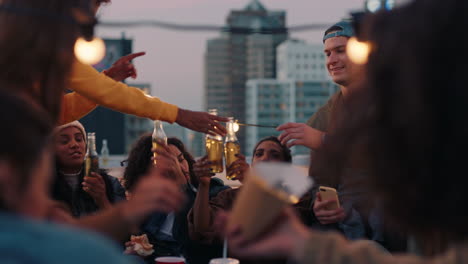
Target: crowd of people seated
391,141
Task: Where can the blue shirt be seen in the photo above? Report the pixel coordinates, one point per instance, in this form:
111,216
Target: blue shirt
28,241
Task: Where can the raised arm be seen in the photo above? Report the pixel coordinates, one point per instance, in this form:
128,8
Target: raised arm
201,215
74,107
118,96
104,91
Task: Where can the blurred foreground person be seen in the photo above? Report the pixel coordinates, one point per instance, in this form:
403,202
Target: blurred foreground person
25,170
37,40
414,137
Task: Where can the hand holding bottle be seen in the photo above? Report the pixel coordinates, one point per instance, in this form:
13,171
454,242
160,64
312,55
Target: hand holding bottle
238,168
168,163
214,148
203,171
158,137
231,148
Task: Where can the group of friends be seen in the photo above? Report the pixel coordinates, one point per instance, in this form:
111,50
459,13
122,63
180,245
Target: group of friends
391,142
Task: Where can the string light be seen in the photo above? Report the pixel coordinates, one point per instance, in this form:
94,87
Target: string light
373,5
90,52
358,52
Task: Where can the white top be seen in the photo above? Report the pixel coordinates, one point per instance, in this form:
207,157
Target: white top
167,225
72,179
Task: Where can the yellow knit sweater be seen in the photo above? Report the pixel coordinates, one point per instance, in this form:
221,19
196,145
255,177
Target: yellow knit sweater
92,88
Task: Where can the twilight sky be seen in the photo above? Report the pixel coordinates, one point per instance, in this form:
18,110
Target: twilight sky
174,60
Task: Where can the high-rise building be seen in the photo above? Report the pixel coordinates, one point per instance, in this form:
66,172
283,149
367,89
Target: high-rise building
271,102
247,51
300,61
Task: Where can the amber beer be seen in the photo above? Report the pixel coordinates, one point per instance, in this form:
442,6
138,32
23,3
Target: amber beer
92,158
214,148
158,136
231,148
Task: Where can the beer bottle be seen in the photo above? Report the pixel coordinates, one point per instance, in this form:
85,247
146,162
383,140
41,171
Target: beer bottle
214,148
159,136
92,158
104,154
231,147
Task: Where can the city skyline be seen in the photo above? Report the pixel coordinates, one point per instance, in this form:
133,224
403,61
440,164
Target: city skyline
174,61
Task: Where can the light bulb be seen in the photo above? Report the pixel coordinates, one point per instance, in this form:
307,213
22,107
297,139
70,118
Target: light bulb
390,4
358,52
90,52
373,5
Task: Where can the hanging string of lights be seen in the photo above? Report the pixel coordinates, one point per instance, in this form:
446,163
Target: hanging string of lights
210,28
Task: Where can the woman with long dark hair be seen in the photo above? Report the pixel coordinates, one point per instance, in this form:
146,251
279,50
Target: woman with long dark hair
37,40
168,232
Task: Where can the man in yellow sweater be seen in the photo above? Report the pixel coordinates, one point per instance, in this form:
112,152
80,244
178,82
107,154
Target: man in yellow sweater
92,88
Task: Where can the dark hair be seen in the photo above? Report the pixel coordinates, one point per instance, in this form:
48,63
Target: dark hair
139,160
24,137
40,29
410,120
285,150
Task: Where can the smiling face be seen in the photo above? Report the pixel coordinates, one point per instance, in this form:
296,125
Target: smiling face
337,62
70,149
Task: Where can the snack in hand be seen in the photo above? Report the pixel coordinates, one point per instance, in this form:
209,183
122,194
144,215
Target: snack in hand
139,245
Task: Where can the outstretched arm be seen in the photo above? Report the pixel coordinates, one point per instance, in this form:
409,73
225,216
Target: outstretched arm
105,91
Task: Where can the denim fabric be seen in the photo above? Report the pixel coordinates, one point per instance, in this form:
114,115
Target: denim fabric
179,243
26,241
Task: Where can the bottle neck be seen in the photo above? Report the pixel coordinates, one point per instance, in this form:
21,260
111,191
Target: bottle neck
231,134
158,125
158,131
92,146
